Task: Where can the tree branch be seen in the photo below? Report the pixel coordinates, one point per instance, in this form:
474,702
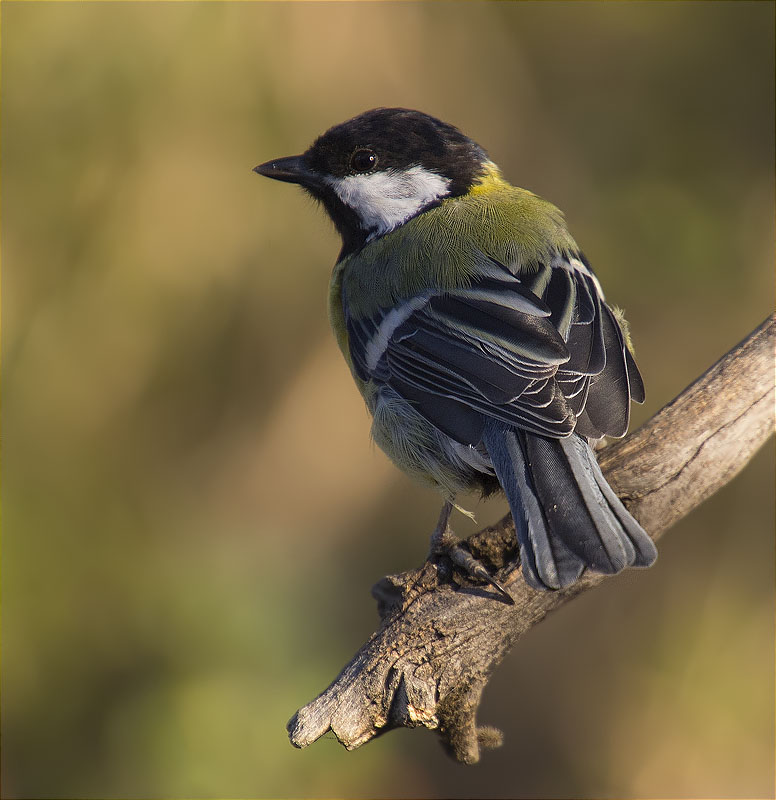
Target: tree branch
439,641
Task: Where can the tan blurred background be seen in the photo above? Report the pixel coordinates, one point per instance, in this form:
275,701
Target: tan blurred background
194,513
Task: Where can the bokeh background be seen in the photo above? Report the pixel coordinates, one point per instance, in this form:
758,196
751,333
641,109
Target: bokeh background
194,514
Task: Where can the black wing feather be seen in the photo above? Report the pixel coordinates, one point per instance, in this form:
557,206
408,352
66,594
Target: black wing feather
497,350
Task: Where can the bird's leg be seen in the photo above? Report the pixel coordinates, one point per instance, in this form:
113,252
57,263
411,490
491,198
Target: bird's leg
445,543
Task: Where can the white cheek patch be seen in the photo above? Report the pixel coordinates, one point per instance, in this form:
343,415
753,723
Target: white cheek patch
383,200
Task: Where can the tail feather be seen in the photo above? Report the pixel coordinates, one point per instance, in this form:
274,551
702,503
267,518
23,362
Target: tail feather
574,504
547,561
646,552
566,515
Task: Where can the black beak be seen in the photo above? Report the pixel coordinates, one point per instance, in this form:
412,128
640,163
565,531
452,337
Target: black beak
293,169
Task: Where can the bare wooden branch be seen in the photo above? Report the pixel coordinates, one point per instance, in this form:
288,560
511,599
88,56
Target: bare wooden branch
439,641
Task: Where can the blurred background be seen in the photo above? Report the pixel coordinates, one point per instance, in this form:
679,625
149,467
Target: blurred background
194,514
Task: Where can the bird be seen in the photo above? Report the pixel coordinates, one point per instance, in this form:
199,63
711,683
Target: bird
479,337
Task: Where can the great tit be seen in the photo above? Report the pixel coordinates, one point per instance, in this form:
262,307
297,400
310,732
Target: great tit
478,335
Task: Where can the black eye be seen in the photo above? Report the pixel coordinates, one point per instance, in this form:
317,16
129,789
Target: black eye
363,160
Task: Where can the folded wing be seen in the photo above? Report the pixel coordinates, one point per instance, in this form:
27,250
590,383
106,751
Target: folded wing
542,353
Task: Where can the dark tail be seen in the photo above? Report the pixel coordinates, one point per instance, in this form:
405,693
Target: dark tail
566,515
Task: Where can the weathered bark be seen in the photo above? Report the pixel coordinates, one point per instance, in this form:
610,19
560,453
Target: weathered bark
439,641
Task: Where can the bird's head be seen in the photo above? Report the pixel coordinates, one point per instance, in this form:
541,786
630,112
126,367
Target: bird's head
380,169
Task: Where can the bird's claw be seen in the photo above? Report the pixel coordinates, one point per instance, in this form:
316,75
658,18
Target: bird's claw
469,564
444,542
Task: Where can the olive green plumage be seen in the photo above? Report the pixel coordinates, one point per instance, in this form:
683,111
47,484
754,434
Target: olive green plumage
478,335
444,248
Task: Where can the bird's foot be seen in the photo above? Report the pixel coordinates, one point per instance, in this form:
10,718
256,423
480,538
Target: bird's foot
445,543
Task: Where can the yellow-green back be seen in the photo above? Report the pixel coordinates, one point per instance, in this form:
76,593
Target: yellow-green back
447,245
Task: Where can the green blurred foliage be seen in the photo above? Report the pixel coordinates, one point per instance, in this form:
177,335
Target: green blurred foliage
193,512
